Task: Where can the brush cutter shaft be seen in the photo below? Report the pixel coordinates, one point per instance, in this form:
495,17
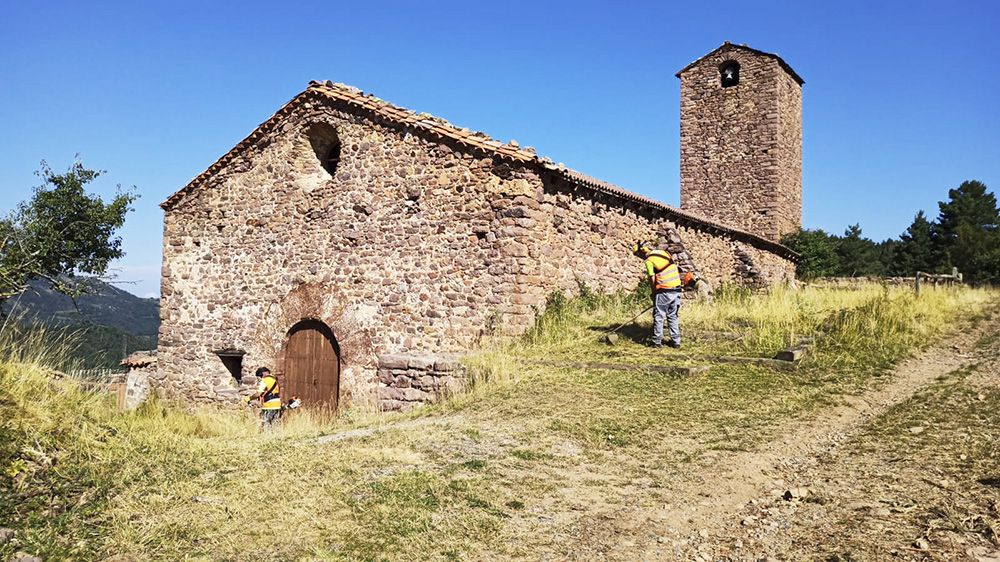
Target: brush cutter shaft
641,312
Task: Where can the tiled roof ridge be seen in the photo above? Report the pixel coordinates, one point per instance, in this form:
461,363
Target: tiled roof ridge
727,44
471,139
139,358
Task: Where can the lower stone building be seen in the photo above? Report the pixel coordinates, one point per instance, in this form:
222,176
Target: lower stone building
345,228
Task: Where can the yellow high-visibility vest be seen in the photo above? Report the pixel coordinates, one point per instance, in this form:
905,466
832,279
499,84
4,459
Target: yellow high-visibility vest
663,270
270,394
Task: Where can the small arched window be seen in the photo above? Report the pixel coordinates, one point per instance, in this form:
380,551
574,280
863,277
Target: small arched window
326,146
729,73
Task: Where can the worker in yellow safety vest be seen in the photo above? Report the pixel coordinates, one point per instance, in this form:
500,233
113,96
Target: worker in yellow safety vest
665,282
269,394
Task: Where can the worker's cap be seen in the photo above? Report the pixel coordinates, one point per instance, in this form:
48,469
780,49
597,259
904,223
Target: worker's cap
260,372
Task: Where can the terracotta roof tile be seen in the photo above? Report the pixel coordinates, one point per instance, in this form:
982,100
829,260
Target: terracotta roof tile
140,359
328,91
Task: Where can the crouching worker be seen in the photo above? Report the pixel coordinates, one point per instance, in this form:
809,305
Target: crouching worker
665,283
269,395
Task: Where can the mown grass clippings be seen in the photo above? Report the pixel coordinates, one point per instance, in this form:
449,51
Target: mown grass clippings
529,455
474,464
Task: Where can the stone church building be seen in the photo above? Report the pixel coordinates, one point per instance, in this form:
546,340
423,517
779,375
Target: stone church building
346,229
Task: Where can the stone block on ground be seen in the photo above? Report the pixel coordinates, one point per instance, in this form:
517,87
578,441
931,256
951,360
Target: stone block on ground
391,405
136,389
793,353
407,406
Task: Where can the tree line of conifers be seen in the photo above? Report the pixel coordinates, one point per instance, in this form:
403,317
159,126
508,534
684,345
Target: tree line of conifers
965,234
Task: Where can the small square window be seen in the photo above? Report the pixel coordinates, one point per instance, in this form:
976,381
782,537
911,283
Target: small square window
233,360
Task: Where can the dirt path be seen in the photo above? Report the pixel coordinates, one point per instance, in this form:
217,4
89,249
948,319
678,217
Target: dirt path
725,505
724,489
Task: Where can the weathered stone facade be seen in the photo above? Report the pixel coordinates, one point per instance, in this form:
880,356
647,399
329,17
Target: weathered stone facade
423,239
741,145
406,381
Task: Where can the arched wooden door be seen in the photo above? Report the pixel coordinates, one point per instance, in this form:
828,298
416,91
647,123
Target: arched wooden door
312,365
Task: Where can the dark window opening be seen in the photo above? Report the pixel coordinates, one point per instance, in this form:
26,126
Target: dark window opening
729,74
332,159
233,360
326,146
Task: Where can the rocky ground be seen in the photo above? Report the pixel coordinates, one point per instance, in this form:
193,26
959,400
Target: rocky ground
909,472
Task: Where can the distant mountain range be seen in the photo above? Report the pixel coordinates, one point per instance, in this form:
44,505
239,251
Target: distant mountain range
102,304
107,322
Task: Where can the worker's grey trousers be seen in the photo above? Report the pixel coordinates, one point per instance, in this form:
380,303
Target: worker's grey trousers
665,305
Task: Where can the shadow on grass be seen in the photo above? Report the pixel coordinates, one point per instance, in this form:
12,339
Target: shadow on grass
632,332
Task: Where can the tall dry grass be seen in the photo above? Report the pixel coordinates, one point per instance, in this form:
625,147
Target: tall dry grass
79,480
871,325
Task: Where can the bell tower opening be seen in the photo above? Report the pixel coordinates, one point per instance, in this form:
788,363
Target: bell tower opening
729,74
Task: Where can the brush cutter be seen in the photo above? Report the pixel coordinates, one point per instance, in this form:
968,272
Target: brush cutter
611,338
290,405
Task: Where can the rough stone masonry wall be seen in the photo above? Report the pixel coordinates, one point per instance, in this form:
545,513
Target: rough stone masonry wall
398,252
741,146
412,247
788,214
406,381
569,237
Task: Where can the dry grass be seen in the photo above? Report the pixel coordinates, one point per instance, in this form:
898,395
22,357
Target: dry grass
505,470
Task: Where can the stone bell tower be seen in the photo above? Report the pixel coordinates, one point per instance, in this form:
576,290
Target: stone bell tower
741,140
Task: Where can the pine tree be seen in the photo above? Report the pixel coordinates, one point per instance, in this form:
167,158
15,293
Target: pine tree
886,253
818,253
857,254
967,232
916,251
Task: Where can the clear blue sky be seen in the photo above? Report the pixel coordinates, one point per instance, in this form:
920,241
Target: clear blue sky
900,101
